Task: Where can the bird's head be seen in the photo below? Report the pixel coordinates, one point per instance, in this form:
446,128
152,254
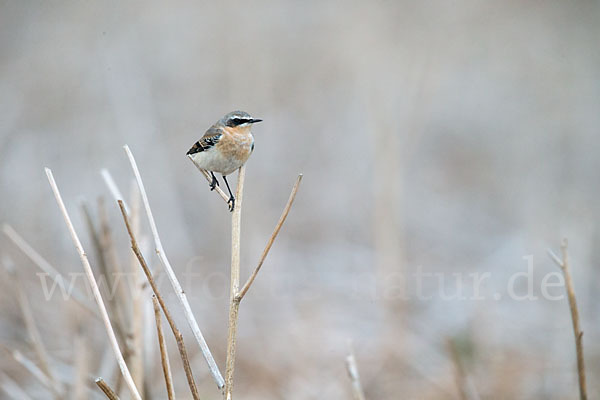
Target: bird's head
238,119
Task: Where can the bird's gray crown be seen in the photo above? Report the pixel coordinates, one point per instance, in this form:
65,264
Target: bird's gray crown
236,118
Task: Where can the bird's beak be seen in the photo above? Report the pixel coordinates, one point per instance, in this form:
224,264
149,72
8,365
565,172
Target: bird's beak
255,121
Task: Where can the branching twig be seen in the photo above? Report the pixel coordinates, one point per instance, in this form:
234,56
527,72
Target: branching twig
214,369
176,332
565,267
236,295
352,369
265,252
110,394
164,356
94,286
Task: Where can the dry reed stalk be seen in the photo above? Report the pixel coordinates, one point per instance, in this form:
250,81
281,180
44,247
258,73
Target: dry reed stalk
459,372
95,290
265,252
566,270
101,254
176,332
214,369
234,299
236,295
112,187
32,330
137,300
12,388
77,296
164,356
118,291
110,394
81,369
352,369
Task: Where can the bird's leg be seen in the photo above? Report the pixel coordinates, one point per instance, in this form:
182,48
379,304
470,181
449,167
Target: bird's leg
214,183
231,200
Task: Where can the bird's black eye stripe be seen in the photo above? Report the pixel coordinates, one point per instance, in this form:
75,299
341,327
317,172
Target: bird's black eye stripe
239,121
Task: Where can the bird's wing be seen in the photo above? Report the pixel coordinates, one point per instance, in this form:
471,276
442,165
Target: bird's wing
210,138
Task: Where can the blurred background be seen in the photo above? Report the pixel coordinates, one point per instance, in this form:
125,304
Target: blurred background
440,142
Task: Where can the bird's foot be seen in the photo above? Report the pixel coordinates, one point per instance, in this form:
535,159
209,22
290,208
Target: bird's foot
231,203
214,183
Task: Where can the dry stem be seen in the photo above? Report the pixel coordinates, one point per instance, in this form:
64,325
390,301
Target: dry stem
214,369
36,339
94,286
352,369
265,252
565,267
12,388
46,267
164,356
110,394
30,325
234,304
176,332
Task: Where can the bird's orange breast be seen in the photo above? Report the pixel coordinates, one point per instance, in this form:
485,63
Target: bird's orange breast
236,143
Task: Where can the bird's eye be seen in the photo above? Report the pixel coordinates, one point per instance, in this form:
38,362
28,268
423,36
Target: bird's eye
238,121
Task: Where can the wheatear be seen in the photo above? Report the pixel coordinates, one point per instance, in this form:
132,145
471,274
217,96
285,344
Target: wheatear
225,147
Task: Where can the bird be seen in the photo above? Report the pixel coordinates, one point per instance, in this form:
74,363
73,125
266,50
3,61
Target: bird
225,147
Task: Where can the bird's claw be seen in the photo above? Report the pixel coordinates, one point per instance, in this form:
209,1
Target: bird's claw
231,203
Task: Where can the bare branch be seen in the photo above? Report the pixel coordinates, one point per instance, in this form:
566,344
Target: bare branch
566,269
265,252
214,369
176,332
95,290
110,394
164,356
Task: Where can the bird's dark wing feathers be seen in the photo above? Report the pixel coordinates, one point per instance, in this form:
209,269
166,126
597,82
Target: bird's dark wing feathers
210,138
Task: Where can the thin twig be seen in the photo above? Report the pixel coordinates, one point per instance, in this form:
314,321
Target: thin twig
234,299
110,394
265,252
176,332
164,356
566,269
352,369
214,369
209,179
95,290
46,267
